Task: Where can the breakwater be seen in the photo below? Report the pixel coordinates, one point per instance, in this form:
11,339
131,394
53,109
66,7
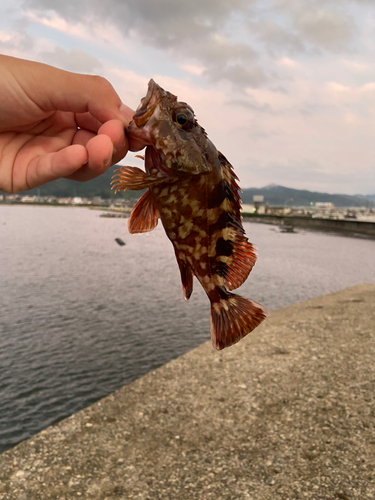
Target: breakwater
337,225
286,413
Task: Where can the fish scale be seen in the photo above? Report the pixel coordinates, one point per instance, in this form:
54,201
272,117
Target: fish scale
193,189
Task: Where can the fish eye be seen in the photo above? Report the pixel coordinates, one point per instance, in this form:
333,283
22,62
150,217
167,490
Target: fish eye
181,119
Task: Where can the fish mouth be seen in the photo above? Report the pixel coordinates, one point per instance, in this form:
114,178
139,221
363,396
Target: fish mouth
148,104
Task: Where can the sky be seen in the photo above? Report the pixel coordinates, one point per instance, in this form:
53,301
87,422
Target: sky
284,88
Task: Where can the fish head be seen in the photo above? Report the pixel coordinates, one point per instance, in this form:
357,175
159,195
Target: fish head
170,127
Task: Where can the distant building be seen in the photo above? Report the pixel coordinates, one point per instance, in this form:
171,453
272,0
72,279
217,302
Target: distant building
77,200
324,204
258,200
249,209
28,199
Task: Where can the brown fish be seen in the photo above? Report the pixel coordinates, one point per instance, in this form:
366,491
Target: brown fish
193,189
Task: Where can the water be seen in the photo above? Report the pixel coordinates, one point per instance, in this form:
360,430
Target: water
81,316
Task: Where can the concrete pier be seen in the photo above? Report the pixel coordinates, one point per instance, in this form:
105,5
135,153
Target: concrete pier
349,227
288,413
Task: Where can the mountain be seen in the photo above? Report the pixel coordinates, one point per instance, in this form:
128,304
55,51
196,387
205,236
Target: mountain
280,195
370,197
273,194
100,186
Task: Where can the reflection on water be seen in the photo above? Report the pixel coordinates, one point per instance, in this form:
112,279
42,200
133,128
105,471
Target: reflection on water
81,316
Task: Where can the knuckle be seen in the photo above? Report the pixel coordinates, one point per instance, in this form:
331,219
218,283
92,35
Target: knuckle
101,83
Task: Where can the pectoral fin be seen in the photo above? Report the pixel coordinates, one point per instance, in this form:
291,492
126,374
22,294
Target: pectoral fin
134,178
144,216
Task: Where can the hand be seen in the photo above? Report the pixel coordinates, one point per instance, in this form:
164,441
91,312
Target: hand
56,124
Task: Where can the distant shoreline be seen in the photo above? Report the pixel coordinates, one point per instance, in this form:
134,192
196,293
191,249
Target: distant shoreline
343,227
353,227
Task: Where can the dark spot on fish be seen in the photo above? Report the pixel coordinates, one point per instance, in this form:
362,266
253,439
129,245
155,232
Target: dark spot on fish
227,219
221,223
220,268
224,247
217,195
223,292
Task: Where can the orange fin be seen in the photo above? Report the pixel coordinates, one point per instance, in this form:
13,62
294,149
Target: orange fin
232,318
144,216
235,256
242,261
135,179
186,278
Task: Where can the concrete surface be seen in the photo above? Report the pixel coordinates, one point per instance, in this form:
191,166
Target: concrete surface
288,413
352,227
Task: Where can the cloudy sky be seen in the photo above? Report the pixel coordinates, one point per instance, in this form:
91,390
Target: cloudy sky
284,88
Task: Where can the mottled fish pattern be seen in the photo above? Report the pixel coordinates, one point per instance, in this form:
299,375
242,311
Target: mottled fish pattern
193,189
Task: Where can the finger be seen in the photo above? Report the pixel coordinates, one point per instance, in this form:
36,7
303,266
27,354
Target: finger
104,149
115,131
52,166
82,137
87,121
100,153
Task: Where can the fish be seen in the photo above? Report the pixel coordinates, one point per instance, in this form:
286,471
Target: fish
193,189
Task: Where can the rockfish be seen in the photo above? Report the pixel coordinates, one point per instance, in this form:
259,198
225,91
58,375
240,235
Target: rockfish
192,188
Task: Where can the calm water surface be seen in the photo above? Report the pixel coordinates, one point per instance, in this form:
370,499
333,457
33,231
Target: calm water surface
81,316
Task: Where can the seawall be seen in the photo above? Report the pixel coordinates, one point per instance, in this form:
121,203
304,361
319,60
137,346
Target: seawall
337,225
288,413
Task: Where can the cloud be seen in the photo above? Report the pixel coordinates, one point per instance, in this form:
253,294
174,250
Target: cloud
17,39
211,34
291,27
75,60
325,28
251,104
192,31
264,78
278,38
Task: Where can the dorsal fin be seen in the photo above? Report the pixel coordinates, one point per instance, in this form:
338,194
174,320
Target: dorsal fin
144,216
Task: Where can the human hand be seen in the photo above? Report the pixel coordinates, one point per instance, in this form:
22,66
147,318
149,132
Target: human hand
54,124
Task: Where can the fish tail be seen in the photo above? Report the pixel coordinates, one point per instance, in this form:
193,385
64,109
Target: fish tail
232,318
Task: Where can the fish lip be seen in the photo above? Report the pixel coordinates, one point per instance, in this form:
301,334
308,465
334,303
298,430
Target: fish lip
144,111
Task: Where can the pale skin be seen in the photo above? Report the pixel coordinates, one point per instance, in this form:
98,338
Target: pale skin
55,124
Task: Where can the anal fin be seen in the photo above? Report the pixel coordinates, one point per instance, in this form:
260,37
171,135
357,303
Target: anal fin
144,216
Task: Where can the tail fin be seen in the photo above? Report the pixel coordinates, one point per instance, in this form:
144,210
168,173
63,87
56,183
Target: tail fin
232,318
